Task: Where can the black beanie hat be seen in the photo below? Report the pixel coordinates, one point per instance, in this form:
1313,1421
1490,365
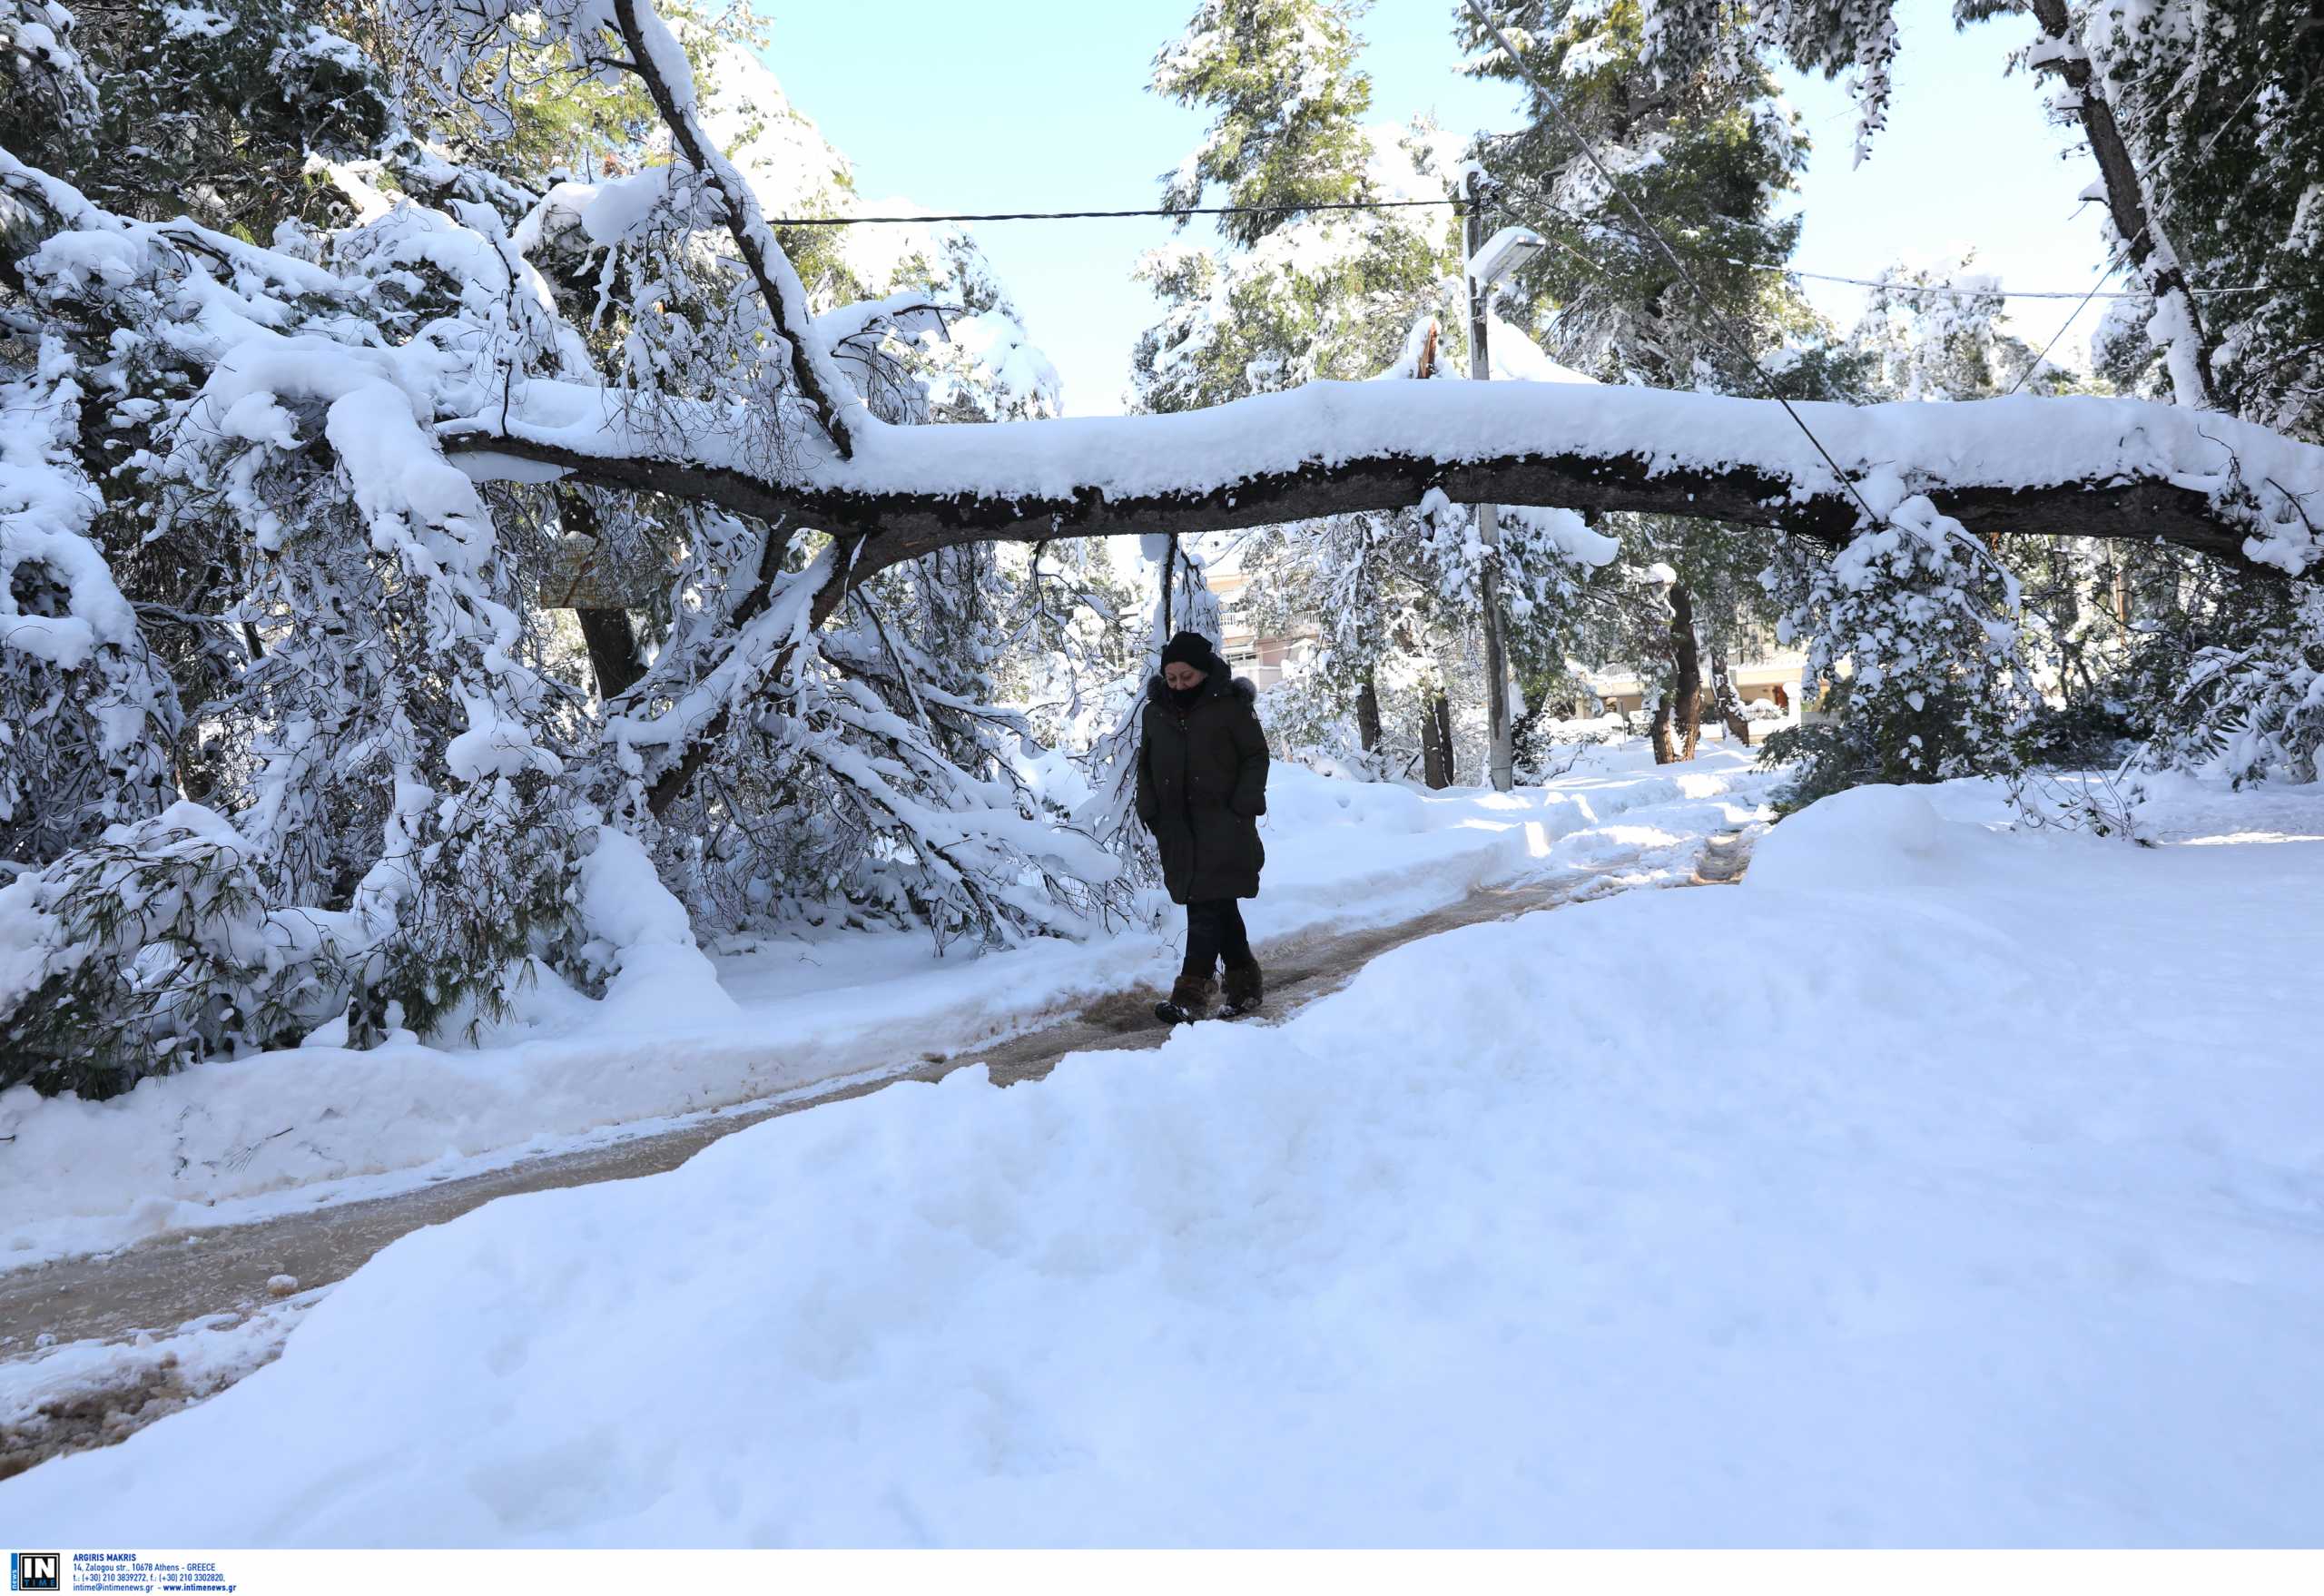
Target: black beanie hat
1190,649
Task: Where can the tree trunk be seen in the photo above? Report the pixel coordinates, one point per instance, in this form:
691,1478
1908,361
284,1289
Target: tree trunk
1436,742
1659,734
1730,704
2126,202
1432,757
2139,492
613,650
1367,713
1686,698
1442,709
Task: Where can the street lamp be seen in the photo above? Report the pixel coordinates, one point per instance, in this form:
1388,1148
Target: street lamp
1504,255
1492,263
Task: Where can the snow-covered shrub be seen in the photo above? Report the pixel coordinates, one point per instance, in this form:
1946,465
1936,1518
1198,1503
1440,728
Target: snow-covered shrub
1307,723
154,948
1913,626
2082,735
2246,691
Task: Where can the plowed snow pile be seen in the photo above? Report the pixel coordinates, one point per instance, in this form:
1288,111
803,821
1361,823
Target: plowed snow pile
1939,1186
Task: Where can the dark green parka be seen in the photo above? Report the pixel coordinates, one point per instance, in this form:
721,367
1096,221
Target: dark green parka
1202,785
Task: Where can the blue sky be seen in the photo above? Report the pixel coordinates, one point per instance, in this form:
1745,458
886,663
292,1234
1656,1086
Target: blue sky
1041,104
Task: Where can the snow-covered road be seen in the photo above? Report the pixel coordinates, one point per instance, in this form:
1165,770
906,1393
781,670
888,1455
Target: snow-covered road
238,1142
1939,1186
81,1366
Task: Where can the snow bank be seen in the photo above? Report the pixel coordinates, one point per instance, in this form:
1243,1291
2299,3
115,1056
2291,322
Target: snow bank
641,929
1786,1215
1872,839
234,1141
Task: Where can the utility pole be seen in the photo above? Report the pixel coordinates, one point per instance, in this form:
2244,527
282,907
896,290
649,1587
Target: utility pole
1502,759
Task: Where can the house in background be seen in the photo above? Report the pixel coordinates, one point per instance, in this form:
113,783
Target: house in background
1755,681
1267,660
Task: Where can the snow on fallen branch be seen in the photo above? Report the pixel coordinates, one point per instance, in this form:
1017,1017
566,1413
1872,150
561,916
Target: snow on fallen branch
2085,466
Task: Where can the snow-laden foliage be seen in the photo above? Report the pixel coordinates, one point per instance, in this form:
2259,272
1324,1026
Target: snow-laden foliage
1278,76
155,947
1857,38
49,92
1914,626
2258,702
268,660
1700,146
1935,332
1325,295
2220,668
87,715
882,778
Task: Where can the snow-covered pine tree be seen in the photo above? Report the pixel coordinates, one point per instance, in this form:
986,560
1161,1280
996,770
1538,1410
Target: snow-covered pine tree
1704,155
1280,78
1934,331
244,578
1693,133
1298,296
1912,628
1347,295
2205,131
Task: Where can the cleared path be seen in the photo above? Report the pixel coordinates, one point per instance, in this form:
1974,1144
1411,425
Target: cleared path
161,1284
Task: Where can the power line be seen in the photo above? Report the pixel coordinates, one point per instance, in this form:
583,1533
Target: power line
1952,289
2121,259
1958,292
1738,348
2042,358
1098,215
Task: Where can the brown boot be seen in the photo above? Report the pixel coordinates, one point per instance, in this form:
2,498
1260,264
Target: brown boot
1191,996
1245,987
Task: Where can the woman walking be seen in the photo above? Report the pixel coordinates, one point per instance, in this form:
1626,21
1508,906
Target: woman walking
1202,785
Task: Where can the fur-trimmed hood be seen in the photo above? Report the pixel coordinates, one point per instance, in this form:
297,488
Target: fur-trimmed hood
1215,683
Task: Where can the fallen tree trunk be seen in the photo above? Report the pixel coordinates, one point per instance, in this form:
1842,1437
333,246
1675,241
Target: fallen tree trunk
2092,468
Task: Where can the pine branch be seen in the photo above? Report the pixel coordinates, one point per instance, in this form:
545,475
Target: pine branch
651,45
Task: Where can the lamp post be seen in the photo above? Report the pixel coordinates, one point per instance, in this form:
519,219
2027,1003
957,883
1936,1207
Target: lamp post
1491,262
